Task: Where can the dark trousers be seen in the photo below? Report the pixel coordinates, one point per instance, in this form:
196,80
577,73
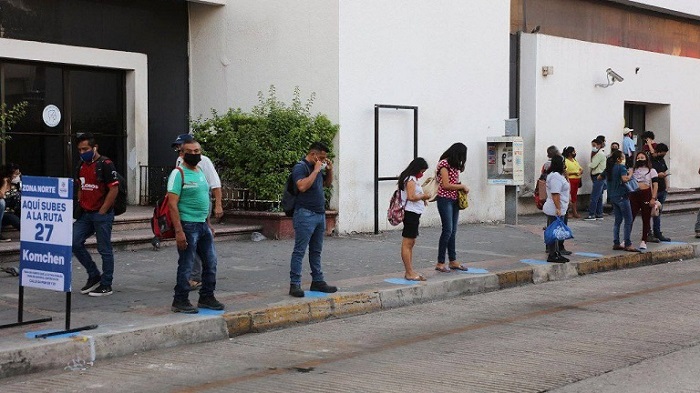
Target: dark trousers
557,247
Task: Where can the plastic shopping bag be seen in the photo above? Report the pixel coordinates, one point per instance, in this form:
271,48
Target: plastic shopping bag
557,231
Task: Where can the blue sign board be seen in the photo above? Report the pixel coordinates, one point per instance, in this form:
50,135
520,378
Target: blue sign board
46,233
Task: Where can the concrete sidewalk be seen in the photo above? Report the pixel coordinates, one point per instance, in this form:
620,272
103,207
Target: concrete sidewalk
253,283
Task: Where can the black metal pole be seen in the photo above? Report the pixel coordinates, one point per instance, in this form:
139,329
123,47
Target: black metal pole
415,133
20,306
68,310
376,169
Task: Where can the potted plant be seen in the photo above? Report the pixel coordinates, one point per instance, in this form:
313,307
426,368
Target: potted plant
255,151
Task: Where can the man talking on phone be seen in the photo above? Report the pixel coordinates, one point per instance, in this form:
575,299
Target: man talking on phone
310,175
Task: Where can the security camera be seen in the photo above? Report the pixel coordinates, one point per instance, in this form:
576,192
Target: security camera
614,75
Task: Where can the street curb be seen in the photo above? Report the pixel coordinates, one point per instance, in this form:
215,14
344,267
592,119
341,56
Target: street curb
172,331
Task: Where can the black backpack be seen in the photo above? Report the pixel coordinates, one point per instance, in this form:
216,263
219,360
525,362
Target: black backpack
289,197
120,202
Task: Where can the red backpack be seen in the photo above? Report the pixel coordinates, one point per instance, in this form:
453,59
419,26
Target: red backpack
161,223
396,209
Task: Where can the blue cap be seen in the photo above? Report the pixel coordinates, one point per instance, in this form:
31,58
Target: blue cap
182,138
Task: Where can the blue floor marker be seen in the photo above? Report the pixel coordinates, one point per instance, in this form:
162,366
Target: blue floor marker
314,294
38,332
207,311
534,262
400,281
589,254
473,270
674,243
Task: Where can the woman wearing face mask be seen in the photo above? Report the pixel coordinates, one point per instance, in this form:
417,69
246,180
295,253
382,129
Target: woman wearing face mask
617,175
573,172
643,199
416,200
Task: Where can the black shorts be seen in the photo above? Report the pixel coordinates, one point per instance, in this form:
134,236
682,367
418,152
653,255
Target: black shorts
410,225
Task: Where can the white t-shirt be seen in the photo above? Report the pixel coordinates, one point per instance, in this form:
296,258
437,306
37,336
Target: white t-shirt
644,175
413,206
209,171
557,184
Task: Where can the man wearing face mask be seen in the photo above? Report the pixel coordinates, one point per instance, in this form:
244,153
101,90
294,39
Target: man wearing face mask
597,167
96,198
189,203
214,181
310,175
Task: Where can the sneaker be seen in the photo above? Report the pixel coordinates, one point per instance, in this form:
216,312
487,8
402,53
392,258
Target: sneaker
102,290
5,239
184,307
643,245
321,286
209,302
697,235
661,237
599,218
295,290
618,247
652,239
91,284
589,218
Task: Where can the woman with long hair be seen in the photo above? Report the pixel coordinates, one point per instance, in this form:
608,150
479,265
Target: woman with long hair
451,163
617,175
558,193
645,197
573,172
416,200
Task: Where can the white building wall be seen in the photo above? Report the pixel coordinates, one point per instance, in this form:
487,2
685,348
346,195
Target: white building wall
449,58
570,110
247,45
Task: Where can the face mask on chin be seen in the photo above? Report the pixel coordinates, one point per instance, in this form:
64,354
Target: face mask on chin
192,159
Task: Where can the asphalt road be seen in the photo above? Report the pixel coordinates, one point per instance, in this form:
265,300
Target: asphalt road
627,331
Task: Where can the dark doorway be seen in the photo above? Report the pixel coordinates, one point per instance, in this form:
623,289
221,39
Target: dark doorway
635,118
89,100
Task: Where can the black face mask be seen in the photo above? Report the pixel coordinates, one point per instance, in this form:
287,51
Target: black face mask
641,163
192,159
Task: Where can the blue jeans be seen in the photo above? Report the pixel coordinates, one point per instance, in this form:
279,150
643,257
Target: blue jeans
100,225
623,212
200,241
595,208
449,216
2,212
661,197
309,229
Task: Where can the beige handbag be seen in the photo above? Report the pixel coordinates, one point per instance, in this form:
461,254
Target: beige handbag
430,188
462,200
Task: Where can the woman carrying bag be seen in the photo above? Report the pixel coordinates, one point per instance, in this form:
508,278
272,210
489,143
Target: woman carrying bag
558,193
448,169
644,198
617,175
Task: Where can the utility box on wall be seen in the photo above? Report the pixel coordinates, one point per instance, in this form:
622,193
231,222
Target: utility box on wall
505,164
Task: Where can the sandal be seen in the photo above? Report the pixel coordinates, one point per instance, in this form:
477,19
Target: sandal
419,277
194,285
460,267
442,268
631,249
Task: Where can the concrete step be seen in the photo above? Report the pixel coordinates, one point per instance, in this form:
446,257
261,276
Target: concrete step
675,191
681,207
131,239
683,197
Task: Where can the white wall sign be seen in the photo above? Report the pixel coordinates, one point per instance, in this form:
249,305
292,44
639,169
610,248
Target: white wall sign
51,115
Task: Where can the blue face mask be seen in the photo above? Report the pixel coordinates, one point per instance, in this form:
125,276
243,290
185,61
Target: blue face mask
87,156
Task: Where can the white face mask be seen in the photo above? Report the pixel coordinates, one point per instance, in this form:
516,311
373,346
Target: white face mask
15,180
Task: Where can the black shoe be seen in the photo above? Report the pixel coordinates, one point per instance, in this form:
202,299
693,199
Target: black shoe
91,284
321,286
565,252
5,239
209,302
184,307
102,290
661,237
295,290
557,258
652,239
